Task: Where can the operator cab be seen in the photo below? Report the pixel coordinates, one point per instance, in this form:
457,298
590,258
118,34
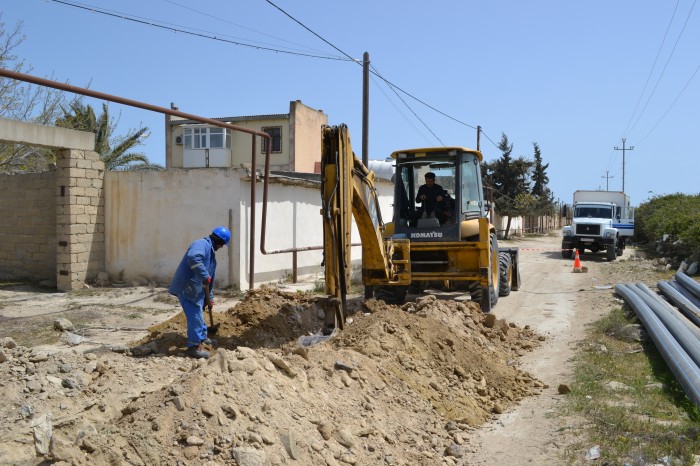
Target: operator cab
432,210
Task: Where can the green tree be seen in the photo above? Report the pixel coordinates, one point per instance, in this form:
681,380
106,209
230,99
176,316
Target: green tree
115,151
540,185
509,179
25,102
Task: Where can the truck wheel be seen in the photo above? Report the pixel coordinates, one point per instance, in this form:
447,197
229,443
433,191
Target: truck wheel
505,270
620,246
611,253
391,294
567,250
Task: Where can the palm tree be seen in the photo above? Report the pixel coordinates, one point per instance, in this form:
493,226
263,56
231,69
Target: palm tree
114,151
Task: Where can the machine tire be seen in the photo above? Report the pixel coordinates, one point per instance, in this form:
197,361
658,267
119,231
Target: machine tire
417,287
611,253
391,294
489,295
475,291
505,270
567,250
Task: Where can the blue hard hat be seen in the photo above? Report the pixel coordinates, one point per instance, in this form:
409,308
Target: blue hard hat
222,233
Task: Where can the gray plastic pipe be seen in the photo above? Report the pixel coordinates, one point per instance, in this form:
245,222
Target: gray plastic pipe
681,302
668,310
682,330
685,292
689,283
683,367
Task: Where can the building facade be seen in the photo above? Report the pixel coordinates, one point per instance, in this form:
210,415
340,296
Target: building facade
295,141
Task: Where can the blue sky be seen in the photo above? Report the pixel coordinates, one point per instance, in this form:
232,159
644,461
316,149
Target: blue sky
575,77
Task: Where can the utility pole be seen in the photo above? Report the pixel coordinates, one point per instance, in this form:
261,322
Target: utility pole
369,292
365,109
478,138
624,149
607,177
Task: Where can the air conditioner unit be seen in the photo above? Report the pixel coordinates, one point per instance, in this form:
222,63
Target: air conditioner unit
178,140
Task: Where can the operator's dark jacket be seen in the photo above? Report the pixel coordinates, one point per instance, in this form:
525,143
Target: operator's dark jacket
431,194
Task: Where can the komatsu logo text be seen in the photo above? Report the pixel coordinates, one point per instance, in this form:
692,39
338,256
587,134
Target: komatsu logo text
427,234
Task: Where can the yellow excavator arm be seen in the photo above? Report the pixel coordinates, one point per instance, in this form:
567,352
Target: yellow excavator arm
347,191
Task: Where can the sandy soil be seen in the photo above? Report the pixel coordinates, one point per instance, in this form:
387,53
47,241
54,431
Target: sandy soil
432,382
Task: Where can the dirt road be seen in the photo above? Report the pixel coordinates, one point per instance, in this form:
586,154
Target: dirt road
557,303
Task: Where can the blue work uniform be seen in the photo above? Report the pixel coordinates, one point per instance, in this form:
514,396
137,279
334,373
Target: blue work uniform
197,266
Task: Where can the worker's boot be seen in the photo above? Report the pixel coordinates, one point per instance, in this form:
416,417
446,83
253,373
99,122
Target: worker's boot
210,342
197,352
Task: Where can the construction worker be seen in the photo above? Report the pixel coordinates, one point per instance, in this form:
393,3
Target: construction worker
430,196
193,278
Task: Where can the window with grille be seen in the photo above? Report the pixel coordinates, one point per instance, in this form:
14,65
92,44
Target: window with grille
275,133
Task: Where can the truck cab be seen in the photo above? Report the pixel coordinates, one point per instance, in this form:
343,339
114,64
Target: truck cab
593,228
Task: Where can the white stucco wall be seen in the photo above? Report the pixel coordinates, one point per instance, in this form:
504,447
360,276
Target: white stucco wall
152,217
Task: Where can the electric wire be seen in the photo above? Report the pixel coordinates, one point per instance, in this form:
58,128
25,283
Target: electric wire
308,29
398,110
193,32
412,111
422,102
376,73
665,66
658,53
240,25
267,47
670,106
491,140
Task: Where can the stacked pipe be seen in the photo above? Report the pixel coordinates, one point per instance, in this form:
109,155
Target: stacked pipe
674,331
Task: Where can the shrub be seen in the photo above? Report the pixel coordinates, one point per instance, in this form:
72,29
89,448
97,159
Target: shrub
676,215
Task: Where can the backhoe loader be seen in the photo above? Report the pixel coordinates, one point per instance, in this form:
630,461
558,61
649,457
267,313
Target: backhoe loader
445,240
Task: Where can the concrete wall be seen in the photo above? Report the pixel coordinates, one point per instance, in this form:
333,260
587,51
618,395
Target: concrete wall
137,225
152,217
53,220
28,226
305,136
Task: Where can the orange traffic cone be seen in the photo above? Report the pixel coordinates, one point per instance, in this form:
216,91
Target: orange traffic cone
577,263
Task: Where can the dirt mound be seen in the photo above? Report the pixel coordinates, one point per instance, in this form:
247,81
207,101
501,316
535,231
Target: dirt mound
397,386
266,318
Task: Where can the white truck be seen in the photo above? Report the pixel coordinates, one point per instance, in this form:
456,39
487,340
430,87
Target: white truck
601,220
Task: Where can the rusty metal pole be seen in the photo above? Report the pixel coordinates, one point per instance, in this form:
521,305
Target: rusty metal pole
253,178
